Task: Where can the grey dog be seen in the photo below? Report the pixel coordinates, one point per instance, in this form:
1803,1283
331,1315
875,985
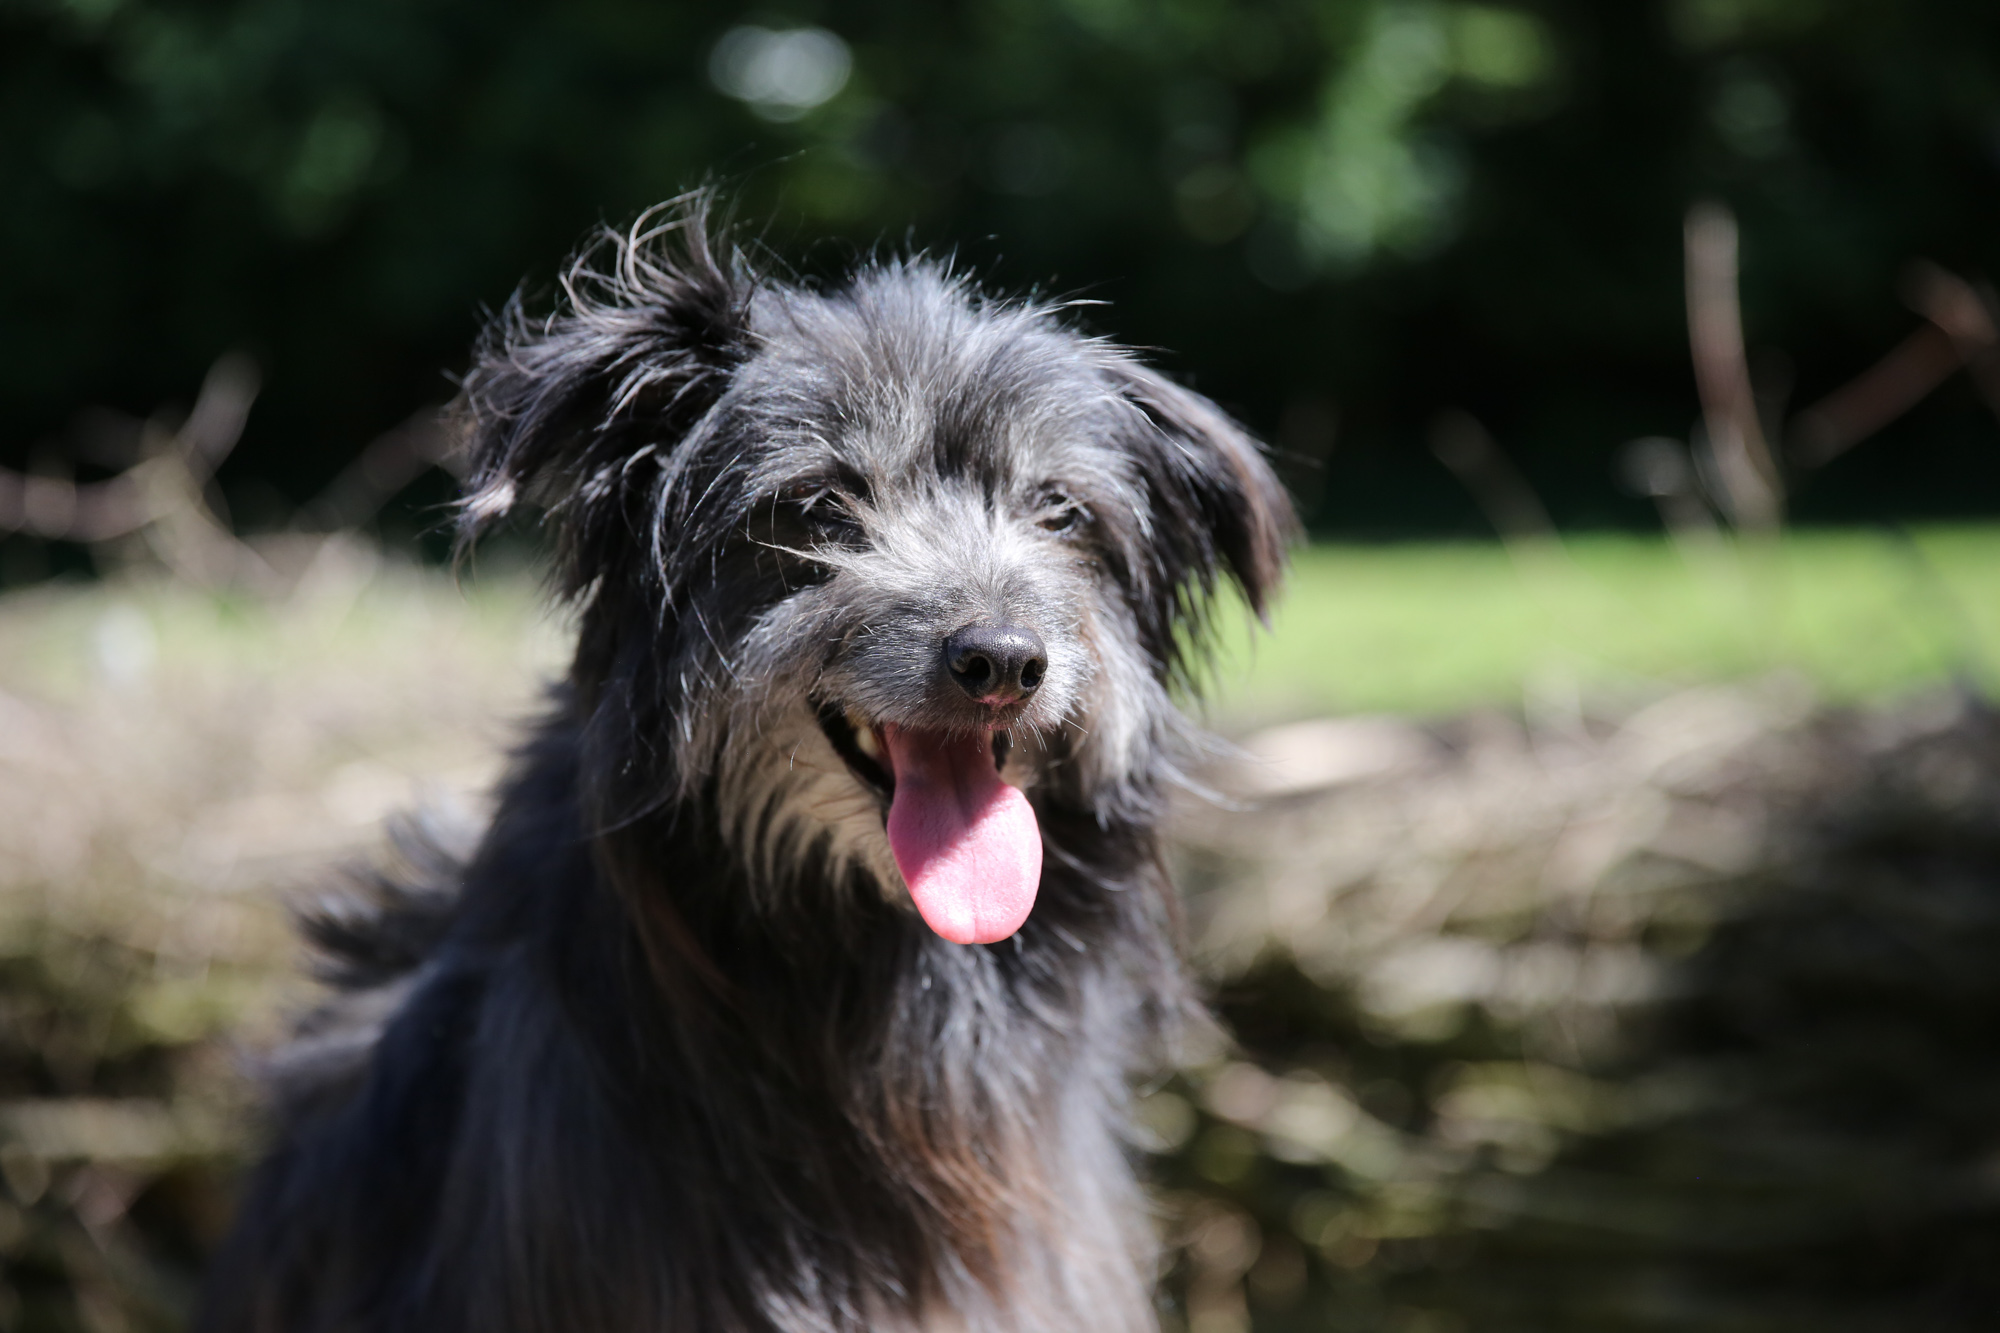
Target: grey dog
798,978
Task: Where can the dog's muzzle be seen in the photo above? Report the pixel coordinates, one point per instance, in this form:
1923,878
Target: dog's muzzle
967,842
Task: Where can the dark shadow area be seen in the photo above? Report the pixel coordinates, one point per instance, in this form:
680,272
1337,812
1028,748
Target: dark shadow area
1341,218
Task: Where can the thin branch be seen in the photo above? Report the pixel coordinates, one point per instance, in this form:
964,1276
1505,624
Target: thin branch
391,461
1753,491
162,496
1462,444
1875,397
1959,333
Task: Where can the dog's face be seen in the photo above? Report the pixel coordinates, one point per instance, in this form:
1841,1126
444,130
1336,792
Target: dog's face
884,569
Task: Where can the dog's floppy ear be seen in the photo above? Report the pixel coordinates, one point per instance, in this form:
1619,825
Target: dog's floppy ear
578,412
1218,506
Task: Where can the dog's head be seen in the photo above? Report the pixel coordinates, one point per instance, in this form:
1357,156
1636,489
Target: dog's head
873,572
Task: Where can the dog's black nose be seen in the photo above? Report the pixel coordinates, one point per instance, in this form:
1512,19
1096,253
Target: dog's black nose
996,664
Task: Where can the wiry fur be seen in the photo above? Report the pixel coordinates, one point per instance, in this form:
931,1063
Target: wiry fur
671,1050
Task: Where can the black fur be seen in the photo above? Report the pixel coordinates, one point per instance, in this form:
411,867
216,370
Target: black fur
670,1050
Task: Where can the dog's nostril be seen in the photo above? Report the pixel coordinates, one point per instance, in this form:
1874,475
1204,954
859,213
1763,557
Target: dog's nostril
996,663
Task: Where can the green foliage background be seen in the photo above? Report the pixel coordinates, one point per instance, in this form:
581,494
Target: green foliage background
1340,215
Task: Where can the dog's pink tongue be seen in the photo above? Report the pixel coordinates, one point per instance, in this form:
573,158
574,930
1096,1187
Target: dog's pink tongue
967,843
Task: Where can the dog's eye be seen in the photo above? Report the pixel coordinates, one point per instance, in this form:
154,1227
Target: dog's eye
824,512
1060,514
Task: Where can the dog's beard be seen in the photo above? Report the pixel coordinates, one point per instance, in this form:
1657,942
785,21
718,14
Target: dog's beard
934,820
789,804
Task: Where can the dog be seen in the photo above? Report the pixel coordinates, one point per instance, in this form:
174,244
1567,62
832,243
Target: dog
799,977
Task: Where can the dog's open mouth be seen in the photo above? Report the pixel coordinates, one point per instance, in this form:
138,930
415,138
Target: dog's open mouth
967,843
859,744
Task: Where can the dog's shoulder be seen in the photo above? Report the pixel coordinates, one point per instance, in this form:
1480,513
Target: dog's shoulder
372,932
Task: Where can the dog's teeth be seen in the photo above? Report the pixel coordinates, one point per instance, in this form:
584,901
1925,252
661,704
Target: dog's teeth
864,741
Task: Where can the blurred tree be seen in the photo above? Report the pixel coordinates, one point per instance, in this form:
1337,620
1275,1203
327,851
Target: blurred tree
1347,214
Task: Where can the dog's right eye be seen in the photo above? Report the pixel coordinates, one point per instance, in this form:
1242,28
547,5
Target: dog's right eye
824,513
1060,513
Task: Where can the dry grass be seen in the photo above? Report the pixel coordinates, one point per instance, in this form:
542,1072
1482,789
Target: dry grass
1677,1018
174,766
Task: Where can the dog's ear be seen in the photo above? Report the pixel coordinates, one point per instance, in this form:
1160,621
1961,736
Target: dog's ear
578,412
1218,506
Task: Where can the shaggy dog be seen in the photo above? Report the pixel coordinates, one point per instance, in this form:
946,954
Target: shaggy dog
797,980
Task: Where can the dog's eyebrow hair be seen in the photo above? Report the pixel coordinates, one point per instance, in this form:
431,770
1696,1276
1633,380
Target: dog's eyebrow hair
708,490
788,550
721,654
784,580
856,481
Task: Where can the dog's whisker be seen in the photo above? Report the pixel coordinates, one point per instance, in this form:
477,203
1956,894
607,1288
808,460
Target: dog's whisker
812,555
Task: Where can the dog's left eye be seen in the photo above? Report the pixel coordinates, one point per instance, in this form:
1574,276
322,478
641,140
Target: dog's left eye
1060,514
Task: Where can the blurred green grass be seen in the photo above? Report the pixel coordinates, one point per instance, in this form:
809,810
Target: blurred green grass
1421,628
1431,628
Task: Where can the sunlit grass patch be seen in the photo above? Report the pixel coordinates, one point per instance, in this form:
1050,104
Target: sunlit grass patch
1432,627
